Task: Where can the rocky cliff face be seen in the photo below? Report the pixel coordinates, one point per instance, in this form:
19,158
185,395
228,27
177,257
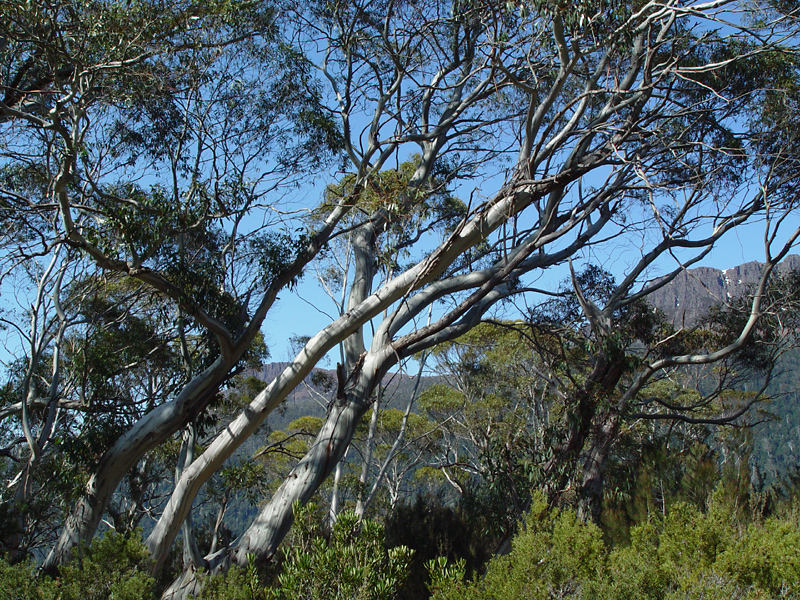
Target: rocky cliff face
693,292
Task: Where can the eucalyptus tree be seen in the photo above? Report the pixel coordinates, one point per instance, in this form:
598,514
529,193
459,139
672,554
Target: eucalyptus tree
494,402
435,210
159,148
618,364
136,139
621,125
553,399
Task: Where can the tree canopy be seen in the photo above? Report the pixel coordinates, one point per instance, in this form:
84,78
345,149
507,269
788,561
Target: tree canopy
158,162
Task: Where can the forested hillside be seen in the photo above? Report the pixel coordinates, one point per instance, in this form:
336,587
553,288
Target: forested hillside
776,442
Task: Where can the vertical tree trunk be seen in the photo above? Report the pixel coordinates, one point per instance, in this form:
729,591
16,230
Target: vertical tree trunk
333,513
583,428
362,480
191,552
594,467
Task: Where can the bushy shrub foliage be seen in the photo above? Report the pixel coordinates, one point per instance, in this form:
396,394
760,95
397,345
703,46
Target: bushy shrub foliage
352,564
112,567
687,555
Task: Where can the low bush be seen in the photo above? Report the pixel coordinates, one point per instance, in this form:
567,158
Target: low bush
688,555
352,564
112,567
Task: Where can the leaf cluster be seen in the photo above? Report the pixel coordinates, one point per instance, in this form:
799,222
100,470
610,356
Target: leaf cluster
353,563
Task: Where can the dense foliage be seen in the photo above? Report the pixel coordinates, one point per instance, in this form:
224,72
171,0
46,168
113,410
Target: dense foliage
488,192
686,554
734,543
351,562
113,566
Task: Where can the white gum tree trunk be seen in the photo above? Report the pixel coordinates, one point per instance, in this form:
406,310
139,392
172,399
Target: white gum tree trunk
123,455
169,418
554,229
272,524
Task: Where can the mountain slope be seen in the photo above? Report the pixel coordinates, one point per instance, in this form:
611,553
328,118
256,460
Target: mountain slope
689,296
686,299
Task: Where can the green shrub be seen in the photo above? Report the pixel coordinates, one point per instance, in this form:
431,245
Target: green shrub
766,558
693,539
18,582
353,564
113,567
555,556
635,572
237,584
689,555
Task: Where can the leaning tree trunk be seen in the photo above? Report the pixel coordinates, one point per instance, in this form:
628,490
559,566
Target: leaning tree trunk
272,524
169,418
352,395
424,273
146,434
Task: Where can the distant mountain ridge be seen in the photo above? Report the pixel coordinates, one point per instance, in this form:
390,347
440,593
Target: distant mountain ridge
684,300
689,296
319,387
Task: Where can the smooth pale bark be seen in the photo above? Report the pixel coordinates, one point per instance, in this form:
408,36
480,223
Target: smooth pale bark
146,434
333,513
324,455
191,552
273,522
168,419
37,444
509,201
245,424
332,442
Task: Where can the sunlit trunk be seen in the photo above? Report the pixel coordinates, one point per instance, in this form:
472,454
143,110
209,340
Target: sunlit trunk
272,524
333,513
150,431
